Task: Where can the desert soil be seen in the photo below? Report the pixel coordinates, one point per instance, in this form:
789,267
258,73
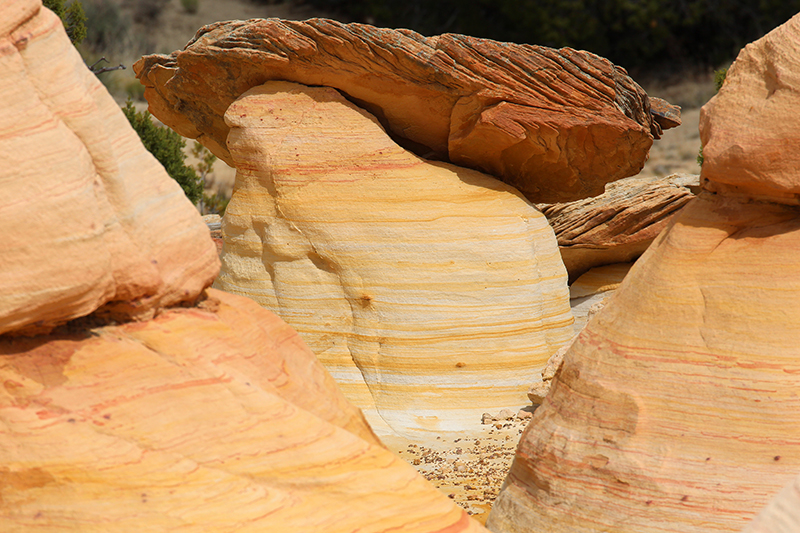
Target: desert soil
470,471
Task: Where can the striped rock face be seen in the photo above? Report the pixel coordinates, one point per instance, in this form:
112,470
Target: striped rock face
212,418
677,408
97,222
432,293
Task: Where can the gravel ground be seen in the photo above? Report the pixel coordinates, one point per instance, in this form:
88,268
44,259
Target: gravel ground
468,470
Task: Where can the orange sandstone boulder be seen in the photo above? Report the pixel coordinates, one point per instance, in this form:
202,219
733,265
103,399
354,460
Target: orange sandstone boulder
92,219
748,132
556,124
210,418
677,407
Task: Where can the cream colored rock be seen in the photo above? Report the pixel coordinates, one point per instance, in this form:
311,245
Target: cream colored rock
782,513
96,220
432,293
588,295
212,418
677,407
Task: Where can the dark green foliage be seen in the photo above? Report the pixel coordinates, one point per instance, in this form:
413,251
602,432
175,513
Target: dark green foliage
71,16
167,147
719,78
191,6
215,204
631,33
148,11
108,29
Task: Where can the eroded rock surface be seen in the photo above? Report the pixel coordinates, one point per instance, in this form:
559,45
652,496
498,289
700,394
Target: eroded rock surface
618,225
212,415
556,124
216,417
676,408
92,218
431,292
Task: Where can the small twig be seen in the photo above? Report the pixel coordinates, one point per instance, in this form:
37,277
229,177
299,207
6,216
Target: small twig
104,69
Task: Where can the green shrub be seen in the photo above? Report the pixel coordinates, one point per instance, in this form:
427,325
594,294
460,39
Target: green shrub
134,90
72,16
215,203
148,11
167,147
719,78
191,6
719,81
108,30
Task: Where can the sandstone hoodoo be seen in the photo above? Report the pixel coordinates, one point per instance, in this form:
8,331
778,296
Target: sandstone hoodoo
179,408
556,124
618,225
676,409
433,293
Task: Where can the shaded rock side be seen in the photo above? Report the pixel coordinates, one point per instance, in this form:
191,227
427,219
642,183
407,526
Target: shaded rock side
556,124
97,222
618,225
676,409
213,418
432,293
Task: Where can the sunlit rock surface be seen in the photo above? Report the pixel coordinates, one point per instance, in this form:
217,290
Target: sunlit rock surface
210,418
556,124
176,409
432,293
91,218
676,409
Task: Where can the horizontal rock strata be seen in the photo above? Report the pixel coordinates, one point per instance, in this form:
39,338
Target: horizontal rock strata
618,225
78,184
556,124
213,418
431,292
676,408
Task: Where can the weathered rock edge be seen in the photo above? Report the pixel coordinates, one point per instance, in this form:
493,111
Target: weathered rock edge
556,124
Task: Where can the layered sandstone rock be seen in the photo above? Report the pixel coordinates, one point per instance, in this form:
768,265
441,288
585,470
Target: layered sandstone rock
96,220
618,225
212,418
556,124
676,409
432,293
